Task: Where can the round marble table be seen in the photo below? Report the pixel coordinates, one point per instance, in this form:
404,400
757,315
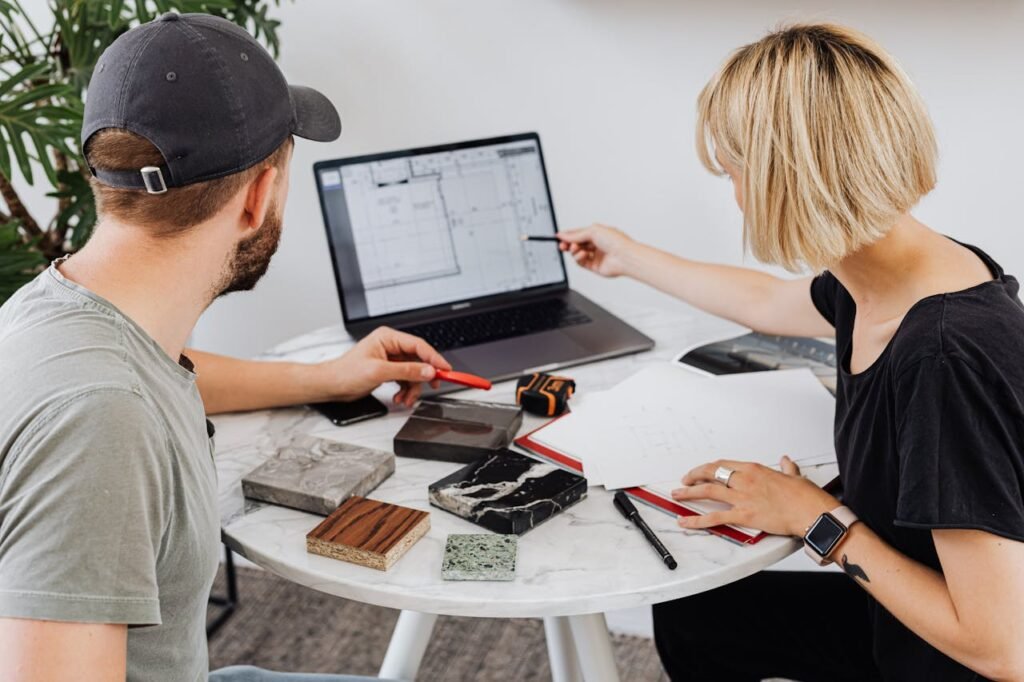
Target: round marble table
570,570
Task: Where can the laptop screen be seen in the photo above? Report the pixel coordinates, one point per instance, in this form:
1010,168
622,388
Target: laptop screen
416,229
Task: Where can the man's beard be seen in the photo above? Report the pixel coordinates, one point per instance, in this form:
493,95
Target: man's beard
252,256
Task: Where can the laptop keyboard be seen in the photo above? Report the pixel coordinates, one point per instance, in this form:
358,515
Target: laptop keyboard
494,325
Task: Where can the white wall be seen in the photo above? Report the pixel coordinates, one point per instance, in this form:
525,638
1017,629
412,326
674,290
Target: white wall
611,85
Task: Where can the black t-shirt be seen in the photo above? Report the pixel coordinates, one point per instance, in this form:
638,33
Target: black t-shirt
930,435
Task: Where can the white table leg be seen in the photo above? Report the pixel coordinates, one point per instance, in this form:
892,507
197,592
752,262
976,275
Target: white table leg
408,644
565,665
594,647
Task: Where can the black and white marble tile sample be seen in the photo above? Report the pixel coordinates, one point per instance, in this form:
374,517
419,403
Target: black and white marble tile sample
479,556
508,492
457,430
316,474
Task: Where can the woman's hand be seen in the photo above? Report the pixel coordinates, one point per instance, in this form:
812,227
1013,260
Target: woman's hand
782,503
598,248
384,355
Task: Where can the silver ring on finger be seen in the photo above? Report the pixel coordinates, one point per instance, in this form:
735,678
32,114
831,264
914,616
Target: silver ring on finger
723,475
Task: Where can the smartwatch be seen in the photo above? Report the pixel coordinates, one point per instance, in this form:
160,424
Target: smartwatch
827,533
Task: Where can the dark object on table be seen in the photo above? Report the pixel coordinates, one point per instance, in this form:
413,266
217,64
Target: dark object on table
344,413
507,492
368,533
457,430
316,475
545,395
760,352
628,510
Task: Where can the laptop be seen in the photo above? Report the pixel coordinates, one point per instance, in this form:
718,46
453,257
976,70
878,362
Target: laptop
429,241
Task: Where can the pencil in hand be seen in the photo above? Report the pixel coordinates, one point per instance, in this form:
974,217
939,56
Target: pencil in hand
539,238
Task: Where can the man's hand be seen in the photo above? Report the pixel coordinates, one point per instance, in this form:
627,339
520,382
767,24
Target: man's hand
385,355
233,385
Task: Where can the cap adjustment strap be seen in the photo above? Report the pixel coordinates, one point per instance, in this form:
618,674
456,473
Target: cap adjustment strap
149,178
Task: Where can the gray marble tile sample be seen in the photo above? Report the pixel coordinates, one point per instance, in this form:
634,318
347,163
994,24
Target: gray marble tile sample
480,557
317,475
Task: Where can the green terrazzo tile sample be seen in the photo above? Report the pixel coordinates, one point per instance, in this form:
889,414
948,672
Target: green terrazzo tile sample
479,557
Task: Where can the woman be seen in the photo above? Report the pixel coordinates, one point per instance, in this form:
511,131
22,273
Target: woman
829,147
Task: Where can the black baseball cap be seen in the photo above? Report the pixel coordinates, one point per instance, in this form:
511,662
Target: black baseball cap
206,94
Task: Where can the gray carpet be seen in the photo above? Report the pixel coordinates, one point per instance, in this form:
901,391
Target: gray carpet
282,626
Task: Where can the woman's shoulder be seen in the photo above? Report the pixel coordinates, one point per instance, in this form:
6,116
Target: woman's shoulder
831,299
982,326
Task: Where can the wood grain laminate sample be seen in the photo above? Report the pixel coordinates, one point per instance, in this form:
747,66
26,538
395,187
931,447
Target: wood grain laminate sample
369,533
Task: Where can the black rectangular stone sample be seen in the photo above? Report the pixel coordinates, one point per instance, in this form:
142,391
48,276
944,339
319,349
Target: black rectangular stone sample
457,430
507,492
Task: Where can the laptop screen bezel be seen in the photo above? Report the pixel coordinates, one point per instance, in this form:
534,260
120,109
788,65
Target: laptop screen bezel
460,305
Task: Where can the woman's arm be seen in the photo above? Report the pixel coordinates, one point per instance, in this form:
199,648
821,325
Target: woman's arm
972,612
754,299
232,385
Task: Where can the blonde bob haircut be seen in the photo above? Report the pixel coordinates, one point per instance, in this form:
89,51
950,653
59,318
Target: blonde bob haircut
830,138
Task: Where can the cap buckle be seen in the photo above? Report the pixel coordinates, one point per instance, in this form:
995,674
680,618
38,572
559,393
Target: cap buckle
153,179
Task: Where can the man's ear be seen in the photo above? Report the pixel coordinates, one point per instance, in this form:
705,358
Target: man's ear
259,197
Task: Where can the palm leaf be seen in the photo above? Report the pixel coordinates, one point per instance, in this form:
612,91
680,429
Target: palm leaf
28,73
28,112
43,78
19,260
84,29
114,17
76,220
13,42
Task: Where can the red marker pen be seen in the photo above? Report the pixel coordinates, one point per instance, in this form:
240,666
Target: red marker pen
463,379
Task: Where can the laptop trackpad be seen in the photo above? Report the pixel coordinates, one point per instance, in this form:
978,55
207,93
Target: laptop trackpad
512,356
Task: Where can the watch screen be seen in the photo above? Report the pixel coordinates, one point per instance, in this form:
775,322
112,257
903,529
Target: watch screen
825,534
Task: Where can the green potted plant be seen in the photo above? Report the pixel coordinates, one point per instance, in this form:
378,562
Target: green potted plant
44,77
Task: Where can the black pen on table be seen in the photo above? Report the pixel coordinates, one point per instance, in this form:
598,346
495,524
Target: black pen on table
627,509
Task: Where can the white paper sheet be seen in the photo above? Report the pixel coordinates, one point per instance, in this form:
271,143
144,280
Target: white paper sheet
664,421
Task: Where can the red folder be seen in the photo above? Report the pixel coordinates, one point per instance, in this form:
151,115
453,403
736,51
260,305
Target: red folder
641,494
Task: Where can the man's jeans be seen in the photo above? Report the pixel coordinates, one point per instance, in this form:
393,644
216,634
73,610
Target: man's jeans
247,673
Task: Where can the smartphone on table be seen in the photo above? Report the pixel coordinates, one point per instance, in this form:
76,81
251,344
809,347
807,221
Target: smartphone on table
344,413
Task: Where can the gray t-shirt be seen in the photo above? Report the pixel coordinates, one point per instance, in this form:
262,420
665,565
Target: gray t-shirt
108,495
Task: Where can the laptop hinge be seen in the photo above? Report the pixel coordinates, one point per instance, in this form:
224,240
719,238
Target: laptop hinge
453,311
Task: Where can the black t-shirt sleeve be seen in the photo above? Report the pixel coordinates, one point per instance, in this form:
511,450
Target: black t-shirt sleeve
960,449
824,291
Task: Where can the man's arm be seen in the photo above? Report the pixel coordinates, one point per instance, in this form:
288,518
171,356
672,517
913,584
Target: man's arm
229,384
51,651
232,385
78,544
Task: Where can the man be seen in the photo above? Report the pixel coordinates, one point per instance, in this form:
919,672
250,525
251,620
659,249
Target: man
109,529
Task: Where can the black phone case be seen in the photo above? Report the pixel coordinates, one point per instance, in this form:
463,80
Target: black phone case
343,414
